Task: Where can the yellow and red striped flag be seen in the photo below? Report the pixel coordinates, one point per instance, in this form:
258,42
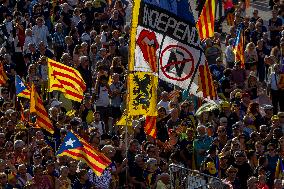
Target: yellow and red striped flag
206,83
150,126
36,106
3,76
77,148
65,79
206,20
230,19
239,47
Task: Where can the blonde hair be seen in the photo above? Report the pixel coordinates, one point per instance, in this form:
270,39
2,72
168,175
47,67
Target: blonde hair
250,45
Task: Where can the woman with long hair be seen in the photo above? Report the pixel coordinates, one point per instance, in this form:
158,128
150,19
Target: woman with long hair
254,114
251,57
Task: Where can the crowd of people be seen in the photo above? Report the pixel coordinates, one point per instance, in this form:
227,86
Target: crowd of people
239,140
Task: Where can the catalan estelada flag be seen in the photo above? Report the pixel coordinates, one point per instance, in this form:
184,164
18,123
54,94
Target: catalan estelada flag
36,106
3,76
239,47
206,83
279,172
21,88
77,148
65,79
206,20
150,126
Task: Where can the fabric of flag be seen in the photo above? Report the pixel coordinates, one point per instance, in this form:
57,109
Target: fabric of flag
142,99
65,79
206,83
21,88
279,172
124,120
206,20
36,106
247,3
150,126
77,148
3,76
230,19
239,47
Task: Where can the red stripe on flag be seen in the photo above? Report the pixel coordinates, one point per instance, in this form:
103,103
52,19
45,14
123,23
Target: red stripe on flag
81,156
80,83
45,122
211,16
94,156
64,68
200,29
205,16
76,95
203,83
209,80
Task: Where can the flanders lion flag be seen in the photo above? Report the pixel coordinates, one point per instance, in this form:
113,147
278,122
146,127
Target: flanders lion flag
142,94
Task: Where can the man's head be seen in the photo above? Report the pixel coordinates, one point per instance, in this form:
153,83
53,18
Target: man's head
84,61
240,157
83,17
223,121
255,13
134,146
221,131
39,21
83,175
97,116
252,183
201,130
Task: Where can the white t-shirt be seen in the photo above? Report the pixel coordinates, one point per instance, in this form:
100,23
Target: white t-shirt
103,99
99,126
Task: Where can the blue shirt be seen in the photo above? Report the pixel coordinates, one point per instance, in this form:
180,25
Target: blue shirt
217,71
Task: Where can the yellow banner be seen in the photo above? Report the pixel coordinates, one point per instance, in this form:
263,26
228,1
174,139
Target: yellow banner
142,94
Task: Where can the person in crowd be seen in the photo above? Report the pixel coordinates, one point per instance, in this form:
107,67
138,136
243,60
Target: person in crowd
236,138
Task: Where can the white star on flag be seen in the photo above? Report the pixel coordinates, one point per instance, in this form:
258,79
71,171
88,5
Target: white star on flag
22,84
70,142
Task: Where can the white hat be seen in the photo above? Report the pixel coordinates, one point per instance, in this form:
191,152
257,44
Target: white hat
55,103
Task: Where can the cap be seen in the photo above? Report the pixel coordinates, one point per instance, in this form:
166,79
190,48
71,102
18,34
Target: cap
238,95
267,107
275,117
55,103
